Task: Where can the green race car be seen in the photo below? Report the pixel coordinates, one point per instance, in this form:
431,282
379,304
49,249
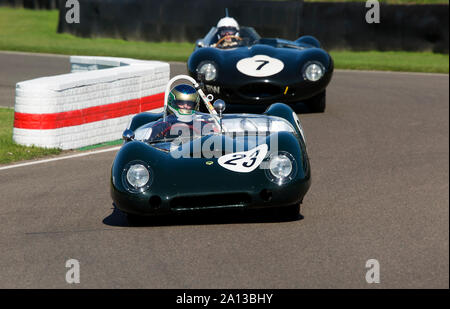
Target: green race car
215,161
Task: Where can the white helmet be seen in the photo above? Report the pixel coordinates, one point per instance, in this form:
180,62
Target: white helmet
227,26
228,22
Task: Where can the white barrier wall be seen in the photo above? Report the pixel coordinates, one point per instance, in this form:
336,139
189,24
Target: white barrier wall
91,105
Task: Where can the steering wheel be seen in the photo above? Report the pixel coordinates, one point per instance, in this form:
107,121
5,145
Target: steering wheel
219,42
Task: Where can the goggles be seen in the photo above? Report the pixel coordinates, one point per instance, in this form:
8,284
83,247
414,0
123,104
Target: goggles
227,31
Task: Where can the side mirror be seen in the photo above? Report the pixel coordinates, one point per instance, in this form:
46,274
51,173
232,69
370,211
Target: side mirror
128,135
219,106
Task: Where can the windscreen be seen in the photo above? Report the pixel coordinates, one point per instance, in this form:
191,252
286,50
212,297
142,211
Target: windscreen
203,125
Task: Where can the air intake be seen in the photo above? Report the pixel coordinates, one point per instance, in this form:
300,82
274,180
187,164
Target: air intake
211,201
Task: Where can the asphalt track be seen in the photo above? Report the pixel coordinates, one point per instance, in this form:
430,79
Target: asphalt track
380,167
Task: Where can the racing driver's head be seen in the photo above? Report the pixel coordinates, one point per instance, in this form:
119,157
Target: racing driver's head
183,101
227,26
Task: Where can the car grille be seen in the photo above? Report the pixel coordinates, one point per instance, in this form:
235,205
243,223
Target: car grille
211,201
260,90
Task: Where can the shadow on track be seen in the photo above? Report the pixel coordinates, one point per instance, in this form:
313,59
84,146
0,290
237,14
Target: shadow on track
205,217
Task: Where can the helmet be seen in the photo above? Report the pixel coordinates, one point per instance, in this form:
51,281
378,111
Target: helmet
227,26
183,101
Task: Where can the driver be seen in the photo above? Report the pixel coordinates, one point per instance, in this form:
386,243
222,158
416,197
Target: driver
182,104
228,30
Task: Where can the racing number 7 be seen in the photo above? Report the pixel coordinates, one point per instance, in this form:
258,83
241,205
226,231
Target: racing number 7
264,62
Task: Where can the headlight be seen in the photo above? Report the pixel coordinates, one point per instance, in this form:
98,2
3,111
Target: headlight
208,69
136,176
282,168
313,71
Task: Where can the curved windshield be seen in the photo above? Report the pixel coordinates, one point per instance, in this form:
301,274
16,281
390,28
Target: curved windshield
255,124
203,125
172,128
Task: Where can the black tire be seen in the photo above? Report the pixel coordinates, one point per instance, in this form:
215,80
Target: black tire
317,103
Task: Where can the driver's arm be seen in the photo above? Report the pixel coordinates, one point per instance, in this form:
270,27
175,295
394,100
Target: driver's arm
159,129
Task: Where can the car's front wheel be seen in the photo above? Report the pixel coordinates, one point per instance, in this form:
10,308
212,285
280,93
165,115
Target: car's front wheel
317,103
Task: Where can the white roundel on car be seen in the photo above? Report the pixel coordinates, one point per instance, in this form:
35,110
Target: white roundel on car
260,66
244,161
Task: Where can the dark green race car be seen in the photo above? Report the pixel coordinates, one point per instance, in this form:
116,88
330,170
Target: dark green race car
216,161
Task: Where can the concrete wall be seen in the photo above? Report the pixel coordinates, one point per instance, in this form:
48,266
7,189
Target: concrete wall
175,20
336,25
91,105
401,27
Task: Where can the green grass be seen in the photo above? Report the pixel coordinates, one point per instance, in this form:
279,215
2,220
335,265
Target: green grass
35,31
9,151
111,143
392,61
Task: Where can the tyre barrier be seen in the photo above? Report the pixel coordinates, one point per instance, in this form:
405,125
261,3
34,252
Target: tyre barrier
91,105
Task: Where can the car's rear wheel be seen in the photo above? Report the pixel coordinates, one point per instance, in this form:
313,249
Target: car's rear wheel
317,103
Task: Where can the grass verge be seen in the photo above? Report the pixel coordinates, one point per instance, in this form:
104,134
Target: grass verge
9,151
391,61
111,143
35,31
